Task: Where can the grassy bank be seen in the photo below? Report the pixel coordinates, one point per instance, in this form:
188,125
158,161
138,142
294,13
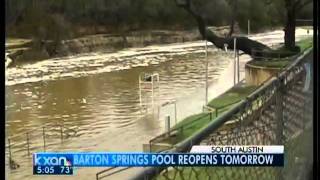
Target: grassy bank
191,124
306,43
235,94
280,63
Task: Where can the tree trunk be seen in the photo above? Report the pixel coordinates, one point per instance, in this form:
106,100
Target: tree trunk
290,28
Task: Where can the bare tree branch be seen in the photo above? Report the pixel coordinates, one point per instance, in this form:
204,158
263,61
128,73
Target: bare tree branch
243,43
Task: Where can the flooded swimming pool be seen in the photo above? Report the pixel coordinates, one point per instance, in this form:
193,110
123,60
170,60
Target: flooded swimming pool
97,94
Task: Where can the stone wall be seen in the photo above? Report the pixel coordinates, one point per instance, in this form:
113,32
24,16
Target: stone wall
256,75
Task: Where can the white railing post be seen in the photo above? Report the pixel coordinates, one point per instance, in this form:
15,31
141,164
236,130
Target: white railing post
234,61
167,125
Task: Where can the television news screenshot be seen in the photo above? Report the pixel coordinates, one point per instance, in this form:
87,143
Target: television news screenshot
160,90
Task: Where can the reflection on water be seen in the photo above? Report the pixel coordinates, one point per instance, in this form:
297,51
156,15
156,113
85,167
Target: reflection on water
89,93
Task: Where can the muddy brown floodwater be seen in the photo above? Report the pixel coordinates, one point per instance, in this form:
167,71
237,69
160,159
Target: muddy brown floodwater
96,97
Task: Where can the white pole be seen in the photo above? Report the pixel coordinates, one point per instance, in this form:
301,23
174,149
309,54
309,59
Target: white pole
238,63
206,55
167,125
140,98
152,92
159,112
234,62
158,79
175,112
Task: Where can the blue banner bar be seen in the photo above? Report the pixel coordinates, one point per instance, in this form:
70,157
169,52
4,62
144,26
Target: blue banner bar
155,159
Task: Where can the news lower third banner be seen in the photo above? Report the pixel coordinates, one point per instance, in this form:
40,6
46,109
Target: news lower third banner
64,163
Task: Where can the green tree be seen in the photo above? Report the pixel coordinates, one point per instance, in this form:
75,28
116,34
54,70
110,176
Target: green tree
288,10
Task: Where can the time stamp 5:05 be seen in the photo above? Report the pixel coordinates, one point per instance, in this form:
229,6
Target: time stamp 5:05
52,170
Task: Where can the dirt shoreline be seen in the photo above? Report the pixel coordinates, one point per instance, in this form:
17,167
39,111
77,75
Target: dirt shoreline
26,50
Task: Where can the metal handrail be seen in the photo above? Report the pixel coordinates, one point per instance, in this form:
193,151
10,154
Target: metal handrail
26,143
108,170
39,127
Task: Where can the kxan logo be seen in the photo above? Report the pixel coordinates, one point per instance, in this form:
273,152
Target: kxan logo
50,160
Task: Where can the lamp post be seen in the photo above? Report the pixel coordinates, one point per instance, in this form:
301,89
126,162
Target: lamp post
207,63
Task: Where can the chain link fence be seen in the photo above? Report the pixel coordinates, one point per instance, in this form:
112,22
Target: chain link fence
277,113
